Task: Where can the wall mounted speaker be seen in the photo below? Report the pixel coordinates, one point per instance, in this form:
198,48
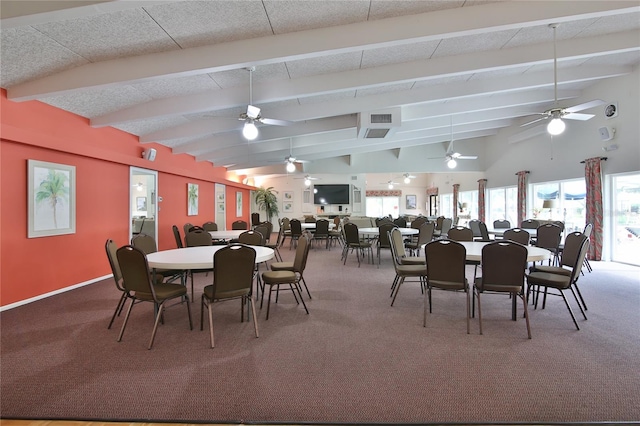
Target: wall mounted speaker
149,154
606,133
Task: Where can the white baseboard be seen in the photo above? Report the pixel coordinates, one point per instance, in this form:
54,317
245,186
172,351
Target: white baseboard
53,293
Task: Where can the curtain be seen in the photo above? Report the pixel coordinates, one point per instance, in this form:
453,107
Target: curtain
522,195
482,187
593,178
456,189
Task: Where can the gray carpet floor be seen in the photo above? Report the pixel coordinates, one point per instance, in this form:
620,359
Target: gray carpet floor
353,359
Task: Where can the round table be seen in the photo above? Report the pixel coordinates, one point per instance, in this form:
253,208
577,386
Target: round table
197,257
226,235
376,231
499,232
474,251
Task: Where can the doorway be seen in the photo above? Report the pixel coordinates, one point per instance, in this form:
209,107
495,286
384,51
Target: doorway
143,206
625,219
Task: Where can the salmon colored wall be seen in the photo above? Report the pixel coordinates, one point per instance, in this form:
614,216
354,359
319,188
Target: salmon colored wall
231,204
30,267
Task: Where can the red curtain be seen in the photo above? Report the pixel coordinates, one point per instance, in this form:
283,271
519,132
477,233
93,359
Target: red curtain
456,189
522,195
593,178
482,187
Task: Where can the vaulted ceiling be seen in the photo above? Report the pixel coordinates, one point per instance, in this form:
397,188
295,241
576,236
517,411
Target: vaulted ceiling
176,72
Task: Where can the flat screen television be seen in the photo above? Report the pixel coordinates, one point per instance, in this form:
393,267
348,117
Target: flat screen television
331,194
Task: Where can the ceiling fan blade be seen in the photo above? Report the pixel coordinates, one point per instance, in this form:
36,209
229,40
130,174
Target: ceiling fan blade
533,121
578,116
467,157
274,122
586,105
253,112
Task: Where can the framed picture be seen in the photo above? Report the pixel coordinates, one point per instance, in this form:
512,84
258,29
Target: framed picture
141,204
51,192
221,207
192,199
411,202
287,206
287,195
238,204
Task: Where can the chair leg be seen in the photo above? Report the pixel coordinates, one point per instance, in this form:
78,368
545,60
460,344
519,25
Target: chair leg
118,310
255,319
526,312
210,312
584,305
297,285
305,286
269,301
155,325
397,289
477,293
578,302
566,302
126,319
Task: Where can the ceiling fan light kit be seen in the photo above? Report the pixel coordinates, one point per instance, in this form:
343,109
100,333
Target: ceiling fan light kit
250,131
291,167
556,127
452,163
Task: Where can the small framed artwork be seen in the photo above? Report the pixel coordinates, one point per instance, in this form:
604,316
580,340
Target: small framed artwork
411,202
287,206
52,199
238,204
141,204
192,199
220,207
287,195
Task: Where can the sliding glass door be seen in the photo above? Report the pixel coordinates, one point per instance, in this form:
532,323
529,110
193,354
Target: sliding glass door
625,218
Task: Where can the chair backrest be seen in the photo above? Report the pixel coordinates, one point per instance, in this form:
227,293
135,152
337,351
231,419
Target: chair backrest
529,224
286,224
255,219
239,225
322,228
251,238
501,224
518,235
299,262
460,233
456,220
572,246
136,229
383,234
559,223
296,227
549,236
425,232
263,229
396,244
234,266
111,248
439,221
197,238
484,232
474,225
504,263
445,261
176,235
579,261
587,229
351,233
186,227
336,221
210,226
401,222
446,225
144,242
136,276
418,221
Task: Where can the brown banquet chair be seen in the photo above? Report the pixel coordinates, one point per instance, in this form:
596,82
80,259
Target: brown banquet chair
232,280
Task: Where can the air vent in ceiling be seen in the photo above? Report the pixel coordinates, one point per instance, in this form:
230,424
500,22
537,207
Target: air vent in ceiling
378,124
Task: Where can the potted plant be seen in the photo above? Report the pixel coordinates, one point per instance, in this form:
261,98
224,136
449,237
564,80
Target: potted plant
266,200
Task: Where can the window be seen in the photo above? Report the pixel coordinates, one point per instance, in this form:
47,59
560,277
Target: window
383,206
568,203
626,219
446,205
469,201
502,205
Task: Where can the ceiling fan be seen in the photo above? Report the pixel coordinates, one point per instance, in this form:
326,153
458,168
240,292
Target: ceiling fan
451,157
253,116
290,161
556,126
407,178
308,179
390,183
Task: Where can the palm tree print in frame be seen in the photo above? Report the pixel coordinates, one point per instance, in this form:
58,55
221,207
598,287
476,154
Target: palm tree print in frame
192,199
52,196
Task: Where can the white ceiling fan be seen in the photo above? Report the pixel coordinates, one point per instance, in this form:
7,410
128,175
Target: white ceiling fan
407,178
556,126
290,161
308,179
451,157
253,116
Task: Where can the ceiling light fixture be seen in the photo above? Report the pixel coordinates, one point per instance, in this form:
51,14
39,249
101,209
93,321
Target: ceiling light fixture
556,126
390,185
250,131
407,180
307,182
452,163
291,167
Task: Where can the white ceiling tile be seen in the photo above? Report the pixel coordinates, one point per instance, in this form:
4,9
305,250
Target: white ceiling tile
613,24
384,89
473,43
441,81
349,94
94,102
397,54
240,76
110,35
293,15
27,54
169,87
152,125
622,59
199,23
381,9
544,34
324,64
